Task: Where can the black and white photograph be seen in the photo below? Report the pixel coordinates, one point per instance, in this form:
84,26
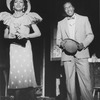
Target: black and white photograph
49,50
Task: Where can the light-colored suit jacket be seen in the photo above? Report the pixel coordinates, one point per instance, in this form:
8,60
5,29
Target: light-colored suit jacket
83,34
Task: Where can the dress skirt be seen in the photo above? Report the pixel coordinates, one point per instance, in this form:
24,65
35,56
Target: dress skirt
22,74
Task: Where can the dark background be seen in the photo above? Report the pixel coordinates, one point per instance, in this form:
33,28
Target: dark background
51,11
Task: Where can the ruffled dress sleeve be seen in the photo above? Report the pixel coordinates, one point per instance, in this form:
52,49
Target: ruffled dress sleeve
5,17
34,18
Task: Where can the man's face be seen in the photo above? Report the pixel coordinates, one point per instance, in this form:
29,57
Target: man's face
69,9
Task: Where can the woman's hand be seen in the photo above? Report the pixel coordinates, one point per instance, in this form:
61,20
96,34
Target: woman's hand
12,36
26,36
21,36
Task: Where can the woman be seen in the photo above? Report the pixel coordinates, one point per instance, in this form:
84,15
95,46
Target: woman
22,73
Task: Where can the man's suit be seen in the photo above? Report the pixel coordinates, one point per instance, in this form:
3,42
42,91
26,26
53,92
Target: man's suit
79,62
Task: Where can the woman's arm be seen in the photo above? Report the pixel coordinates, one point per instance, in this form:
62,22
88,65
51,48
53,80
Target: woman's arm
36,32
7,35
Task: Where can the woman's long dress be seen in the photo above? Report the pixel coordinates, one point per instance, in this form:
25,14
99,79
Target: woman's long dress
22,74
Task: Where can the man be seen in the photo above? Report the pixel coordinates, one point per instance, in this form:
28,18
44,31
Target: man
78,28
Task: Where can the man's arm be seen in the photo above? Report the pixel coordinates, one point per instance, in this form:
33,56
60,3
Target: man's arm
89,34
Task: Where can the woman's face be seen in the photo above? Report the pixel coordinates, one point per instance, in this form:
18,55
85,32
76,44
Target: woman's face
19,5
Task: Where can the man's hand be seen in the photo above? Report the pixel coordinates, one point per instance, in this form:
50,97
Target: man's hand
62,44
80,46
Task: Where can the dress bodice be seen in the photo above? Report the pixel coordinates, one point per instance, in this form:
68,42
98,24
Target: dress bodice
19,24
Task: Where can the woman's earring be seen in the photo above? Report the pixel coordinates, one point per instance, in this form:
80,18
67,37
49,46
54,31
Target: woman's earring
23,9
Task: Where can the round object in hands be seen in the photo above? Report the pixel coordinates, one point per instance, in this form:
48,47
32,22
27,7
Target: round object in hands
70,46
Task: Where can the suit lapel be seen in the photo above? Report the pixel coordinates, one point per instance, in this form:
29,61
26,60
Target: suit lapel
76,24
65,26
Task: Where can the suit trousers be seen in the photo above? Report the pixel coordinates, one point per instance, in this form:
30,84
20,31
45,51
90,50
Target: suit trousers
81,67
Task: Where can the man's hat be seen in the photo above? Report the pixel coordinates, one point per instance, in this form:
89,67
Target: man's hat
70,46
28,5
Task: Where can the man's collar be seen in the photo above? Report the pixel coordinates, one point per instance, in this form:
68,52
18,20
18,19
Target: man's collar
72,17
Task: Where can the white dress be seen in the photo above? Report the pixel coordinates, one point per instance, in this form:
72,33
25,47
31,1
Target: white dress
22,74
